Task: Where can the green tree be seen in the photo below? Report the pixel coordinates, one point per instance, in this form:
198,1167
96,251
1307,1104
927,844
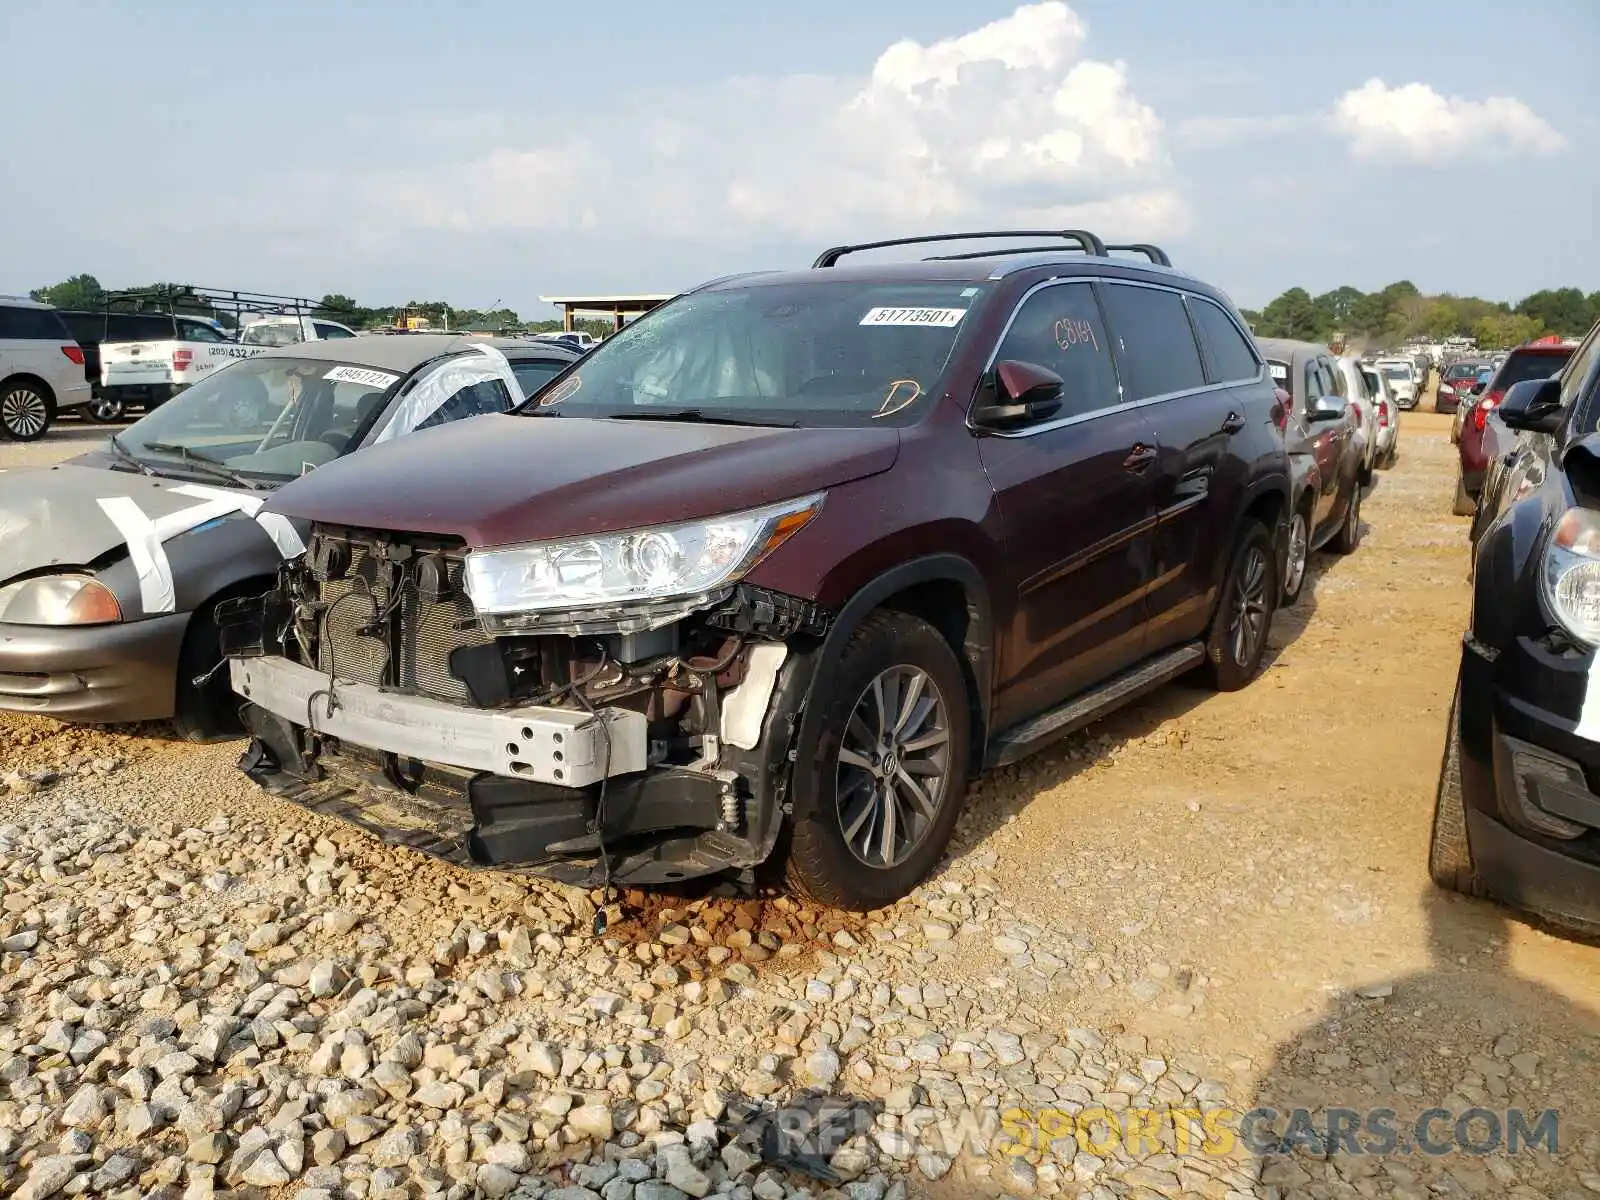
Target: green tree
1504,330
81,291
1291,315
1561,310
1336,308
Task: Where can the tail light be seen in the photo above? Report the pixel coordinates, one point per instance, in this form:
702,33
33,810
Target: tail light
181,359
1480,415
1360,416
1383,416
1280,414
75,353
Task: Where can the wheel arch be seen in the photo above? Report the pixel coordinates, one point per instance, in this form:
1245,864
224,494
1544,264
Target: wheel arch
948,591
29,377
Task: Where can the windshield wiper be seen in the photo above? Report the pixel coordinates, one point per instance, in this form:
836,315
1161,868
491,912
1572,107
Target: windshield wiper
204,464
123,455
699,416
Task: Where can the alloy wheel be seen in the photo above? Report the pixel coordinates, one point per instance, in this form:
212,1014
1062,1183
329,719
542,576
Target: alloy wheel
1294,569
24,412
105,410
1250,608
893,772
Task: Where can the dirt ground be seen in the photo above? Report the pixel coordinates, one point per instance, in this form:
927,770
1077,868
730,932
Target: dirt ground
1234,871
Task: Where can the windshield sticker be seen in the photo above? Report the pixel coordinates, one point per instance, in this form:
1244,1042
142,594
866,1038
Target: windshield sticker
366,375
1070,332
564,390
1278,370
901,393
968,293
933,318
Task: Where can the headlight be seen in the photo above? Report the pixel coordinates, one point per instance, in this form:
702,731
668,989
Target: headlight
1572,574
627,582
58,600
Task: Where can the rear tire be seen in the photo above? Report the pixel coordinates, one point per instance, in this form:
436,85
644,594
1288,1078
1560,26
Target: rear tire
1463,505
1348,539
1449,854
103,410
27,410
1238,639
844,813
209,711
1297,561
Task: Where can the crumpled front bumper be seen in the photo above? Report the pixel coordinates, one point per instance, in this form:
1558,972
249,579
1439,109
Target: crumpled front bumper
98,673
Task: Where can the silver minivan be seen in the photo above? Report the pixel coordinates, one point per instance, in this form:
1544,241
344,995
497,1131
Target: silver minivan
41,369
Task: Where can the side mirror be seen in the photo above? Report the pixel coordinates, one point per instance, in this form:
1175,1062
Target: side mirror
1533,406
1325,408
1018,393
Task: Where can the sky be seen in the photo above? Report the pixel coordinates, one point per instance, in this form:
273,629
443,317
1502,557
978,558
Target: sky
489,153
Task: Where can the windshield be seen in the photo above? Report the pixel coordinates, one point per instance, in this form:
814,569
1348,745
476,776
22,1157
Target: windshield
275,418
1463,370
826,353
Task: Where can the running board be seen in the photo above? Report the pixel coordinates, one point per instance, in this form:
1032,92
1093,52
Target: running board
1034,734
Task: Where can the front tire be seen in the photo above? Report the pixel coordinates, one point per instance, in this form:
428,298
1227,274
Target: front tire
206,711
27,410
882,766
1238,639
1449,854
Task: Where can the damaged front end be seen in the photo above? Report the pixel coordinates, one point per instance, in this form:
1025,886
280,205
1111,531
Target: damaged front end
638,743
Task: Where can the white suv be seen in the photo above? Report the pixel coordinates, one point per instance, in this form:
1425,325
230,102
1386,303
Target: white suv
41,369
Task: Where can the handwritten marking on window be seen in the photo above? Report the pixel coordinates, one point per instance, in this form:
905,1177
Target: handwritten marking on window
1070,332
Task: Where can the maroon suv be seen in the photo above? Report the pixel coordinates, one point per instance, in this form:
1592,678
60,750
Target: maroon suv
773,573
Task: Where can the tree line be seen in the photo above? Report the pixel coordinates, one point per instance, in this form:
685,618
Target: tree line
84,292
1402,313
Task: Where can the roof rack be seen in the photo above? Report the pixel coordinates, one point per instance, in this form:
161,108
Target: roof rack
1154,253
229,300
1087,242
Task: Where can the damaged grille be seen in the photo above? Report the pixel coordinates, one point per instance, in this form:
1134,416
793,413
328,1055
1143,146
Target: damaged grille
363,628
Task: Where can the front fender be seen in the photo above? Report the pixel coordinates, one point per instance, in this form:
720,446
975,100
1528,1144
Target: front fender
1505,587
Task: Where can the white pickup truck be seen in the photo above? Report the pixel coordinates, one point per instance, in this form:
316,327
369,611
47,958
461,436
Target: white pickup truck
149,372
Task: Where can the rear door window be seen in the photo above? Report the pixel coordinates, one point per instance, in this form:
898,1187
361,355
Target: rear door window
1230,357
1060,327
1156,351
325,330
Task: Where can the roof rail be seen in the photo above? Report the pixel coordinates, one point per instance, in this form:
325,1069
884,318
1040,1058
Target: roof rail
1154,253
1087,242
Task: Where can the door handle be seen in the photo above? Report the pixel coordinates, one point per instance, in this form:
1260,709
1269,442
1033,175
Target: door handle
1139,458
1232,423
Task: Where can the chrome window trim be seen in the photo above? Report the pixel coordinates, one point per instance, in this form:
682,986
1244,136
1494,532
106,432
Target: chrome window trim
1121,405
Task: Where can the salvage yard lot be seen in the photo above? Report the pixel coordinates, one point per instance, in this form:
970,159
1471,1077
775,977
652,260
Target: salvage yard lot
1204,899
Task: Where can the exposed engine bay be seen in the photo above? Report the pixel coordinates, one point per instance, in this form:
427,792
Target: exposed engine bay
375,693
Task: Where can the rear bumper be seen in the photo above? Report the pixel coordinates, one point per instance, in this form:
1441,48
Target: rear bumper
95,673
1529,781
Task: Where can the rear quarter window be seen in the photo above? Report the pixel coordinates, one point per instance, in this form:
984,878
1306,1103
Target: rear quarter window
1230,356
32,324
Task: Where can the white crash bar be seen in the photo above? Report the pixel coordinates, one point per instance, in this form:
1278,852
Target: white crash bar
546,745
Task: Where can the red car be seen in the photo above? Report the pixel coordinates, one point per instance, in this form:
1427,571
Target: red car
1535,360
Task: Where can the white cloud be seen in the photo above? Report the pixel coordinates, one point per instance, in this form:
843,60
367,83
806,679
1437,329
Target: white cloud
1414,123
1009,124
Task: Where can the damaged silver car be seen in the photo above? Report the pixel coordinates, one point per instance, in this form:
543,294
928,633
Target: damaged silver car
112,564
